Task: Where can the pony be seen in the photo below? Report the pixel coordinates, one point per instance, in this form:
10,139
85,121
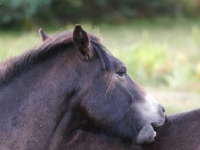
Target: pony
71,82
180,132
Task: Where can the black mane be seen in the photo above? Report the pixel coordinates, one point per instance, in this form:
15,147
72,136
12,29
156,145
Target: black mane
13,67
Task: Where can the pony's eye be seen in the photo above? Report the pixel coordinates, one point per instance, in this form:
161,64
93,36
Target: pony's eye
122,72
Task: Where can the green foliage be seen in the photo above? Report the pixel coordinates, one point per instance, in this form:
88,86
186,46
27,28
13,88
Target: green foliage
147,62
191,7
21,11
27,13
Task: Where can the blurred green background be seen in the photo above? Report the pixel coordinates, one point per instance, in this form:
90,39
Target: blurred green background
158,40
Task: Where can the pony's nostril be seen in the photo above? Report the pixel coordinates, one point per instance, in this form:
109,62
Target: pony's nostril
163,109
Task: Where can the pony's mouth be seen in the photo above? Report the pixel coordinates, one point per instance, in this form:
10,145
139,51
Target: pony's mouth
155,128
148,133
157,125
155,131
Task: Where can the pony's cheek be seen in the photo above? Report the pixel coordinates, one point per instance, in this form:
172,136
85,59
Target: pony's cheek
145,135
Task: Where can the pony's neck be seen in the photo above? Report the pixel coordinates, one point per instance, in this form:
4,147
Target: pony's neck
45,92
180,118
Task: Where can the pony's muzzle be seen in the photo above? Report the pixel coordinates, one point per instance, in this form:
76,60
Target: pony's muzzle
161,111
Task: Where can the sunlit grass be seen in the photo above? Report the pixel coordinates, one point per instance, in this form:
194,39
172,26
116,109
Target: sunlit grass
12,44
175,101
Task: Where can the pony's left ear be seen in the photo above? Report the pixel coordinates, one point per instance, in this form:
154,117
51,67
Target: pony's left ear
81,41
43,34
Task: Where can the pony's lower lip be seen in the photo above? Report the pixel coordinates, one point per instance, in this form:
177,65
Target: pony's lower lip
146,135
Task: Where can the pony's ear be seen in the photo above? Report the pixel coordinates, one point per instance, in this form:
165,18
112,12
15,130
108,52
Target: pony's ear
81,41
43,34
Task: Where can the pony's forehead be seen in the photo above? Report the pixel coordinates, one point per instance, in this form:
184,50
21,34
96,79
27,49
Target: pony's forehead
116,62
108,60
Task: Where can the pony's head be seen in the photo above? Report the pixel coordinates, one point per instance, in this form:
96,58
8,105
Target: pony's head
67,83
102,94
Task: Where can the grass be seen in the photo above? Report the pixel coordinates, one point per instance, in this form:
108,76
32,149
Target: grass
161,55
176,101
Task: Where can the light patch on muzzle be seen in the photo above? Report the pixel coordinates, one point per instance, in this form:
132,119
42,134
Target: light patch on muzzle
151,103
154,112
153,116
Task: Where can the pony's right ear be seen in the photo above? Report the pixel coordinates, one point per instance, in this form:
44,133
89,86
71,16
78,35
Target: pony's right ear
81,41
43,34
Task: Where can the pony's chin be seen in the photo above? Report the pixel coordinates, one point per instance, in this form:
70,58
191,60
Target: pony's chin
146,135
